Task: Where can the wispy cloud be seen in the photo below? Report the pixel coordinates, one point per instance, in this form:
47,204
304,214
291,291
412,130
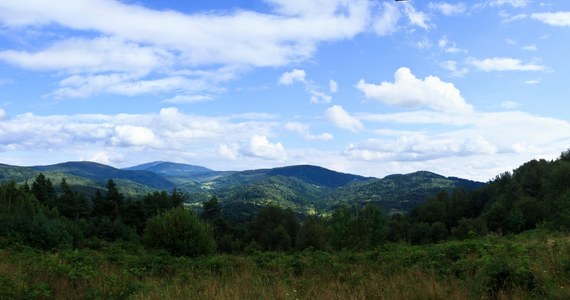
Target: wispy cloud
503,64
317,96
304,131
448,9
560,19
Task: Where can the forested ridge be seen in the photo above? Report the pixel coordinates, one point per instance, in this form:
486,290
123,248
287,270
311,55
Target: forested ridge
533,200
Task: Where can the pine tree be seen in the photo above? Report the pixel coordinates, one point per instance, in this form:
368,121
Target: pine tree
43,189
113,199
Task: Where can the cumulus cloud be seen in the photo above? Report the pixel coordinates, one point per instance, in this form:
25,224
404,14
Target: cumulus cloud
419,147
409,91
448,9
261,147
128,135
342,119
471,144
304,131
503,64
108,157
230,151
168,130
258,146
559,19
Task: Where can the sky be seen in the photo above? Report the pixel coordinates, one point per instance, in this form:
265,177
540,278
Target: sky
371,87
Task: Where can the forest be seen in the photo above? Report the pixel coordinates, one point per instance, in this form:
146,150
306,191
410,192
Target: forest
507,239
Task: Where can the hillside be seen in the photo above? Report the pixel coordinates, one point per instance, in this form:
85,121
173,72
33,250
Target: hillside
303,188
102,173
396,193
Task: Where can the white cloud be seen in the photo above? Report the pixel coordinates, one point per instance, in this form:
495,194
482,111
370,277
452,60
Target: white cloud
297,75
169,131
560,19
423,44
342,119
532,81
419,147
514,3
448,46
304,131
530,48
319,97
143,50
451,66
78,86
507,18
261,147
209,38
410,91
2,114
128,135
469,146
417,18
229,151
289,78
103,54
387,22
333,86
107,157
503,64
448,9
178,99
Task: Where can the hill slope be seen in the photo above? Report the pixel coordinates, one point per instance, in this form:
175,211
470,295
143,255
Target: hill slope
101,173
396,193
303,188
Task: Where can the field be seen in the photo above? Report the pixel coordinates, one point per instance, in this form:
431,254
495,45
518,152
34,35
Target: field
531,265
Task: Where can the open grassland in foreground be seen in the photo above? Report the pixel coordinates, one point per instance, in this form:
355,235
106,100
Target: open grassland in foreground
534,265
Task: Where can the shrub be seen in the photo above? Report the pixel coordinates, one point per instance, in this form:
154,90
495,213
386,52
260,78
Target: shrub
180,232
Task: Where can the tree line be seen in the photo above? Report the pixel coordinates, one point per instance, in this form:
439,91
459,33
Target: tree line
537,194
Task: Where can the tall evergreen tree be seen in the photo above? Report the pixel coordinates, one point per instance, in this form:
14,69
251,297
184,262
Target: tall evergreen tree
114,199
71,204
43,189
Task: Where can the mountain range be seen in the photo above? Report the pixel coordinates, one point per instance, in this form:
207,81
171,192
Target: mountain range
303,188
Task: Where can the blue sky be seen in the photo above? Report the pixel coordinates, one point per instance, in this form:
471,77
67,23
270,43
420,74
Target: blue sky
468,89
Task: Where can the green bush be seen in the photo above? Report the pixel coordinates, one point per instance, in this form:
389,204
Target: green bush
180,232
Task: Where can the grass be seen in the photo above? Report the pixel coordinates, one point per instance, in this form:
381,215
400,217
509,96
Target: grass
534,265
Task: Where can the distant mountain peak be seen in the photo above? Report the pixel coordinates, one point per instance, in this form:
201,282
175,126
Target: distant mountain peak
170,168
316,175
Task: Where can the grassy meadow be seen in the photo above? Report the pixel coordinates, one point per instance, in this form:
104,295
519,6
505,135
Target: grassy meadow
532,265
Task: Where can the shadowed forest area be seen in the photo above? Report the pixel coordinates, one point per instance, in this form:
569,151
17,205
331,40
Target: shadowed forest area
505,240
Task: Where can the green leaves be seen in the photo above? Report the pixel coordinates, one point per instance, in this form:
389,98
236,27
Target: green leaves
180,232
